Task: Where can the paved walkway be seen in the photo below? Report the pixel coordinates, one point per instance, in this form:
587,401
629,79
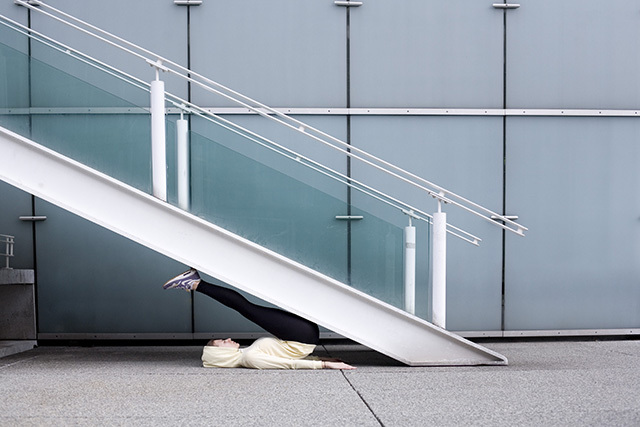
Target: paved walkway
547,383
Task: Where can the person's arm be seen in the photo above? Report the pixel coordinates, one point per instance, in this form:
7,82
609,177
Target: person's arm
266,361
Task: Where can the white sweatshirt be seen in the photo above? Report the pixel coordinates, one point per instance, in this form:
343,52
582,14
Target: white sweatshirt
264,353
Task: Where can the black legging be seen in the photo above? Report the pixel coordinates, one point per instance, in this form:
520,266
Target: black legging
282,324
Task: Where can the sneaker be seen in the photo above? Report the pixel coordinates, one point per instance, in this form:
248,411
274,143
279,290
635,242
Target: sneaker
185,281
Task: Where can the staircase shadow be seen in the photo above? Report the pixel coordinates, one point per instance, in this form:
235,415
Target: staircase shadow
355,354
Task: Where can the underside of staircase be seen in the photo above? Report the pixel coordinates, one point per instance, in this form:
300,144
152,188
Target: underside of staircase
245,265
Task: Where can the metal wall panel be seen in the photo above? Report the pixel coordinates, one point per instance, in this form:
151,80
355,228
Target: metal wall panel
575,183
417,53
574,54
280,52
464,154
13,204
8,36
91,281
158,26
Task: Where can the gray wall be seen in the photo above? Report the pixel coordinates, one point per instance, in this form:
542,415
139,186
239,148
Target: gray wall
507,134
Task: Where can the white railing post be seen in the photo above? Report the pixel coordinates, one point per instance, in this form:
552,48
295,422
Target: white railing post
182,160
439,268
410,268
158,140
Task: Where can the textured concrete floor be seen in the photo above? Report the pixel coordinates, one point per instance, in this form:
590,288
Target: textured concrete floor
547,383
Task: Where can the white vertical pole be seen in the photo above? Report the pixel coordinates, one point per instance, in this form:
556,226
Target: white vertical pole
182,159
410,269
439,266
158,140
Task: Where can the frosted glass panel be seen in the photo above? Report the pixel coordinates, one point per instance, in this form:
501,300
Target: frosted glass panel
268,206
14,83
91,125
14,86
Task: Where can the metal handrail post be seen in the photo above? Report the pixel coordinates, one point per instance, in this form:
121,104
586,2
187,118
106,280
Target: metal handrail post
410,268
439,268
182,160
158,139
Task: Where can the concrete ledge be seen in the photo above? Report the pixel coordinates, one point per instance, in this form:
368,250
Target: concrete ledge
7,348
17,305
10,276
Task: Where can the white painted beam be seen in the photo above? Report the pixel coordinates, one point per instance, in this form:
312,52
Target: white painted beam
237,261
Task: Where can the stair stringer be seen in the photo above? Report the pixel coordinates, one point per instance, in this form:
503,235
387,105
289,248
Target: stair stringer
243,264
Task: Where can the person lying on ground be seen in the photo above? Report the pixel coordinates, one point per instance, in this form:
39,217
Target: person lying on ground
294,338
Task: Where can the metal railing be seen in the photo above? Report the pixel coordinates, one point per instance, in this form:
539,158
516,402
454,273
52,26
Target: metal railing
6,243
159,96
171,67
187,107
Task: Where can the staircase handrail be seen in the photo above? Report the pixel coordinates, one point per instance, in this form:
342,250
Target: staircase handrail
433,190
189,107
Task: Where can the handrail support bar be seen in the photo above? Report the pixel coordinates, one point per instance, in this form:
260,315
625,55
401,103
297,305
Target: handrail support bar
439,269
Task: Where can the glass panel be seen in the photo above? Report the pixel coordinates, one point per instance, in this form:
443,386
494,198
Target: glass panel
268,206
90,125
575,183
109,144
377,263
14,88
14,83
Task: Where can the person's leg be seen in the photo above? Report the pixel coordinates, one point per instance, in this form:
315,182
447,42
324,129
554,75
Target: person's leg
284,325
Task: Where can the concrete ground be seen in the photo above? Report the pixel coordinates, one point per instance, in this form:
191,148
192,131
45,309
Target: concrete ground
547,383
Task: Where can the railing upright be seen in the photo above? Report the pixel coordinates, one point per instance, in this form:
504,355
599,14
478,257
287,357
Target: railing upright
158,138
182,163
439,268
410,268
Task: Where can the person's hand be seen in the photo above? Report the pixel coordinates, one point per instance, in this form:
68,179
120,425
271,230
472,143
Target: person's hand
338,365
330,359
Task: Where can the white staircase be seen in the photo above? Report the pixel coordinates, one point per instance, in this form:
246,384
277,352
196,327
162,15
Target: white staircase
243,264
